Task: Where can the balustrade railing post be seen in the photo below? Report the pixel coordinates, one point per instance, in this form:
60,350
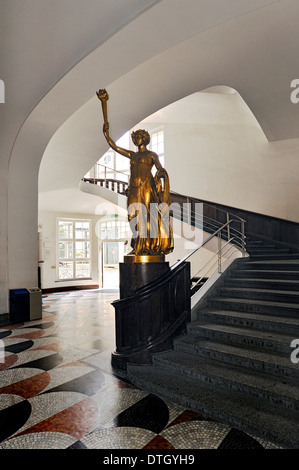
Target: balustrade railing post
219,252
188,211
228,226
243,237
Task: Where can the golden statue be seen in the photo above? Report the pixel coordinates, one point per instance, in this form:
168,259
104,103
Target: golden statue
148,198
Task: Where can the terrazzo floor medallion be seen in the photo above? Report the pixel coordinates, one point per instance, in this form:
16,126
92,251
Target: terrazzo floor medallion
58,391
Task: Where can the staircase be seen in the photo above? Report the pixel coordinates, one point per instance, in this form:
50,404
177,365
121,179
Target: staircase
234,364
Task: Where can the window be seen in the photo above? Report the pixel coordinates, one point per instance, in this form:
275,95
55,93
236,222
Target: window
115,230
73,249
115,166
157,144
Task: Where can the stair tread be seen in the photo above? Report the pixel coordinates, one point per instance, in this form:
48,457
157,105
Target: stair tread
258,290
274,281
281,272
269,303
267,251
249,414
241,351
249,332
260,242
279,253
233,373
253,316
288,261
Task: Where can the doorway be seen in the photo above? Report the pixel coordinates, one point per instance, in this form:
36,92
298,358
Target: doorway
112,254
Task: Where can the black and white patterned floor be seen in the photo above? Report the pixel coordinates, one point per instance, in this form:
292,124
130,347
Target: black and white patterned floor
58,391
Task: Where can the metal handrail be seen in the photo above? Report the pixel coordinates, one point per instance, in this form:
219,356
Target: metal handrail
203,276
235,243
105,171
204,243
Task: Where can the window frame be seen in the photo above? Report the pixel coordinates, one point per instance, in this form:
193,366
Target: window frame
73,240
153,132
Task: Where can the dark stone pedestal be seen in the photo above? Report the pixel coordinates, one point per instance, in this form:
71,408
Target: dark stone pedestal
133,276
154,307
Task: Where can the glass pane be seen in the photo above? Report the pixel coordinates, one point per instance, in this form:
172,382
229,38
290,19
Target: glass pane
111,254
65,249
66,270
109,159
157,140
65,229
82,230
82,250
122,164
82,269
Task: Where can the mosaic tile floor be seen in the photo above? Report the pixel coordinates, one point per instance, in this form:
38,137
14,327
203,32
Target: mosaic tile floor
58,391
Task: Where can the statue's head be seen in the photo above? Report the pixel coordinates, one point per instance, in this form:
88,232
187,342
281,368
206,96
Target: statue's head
141,134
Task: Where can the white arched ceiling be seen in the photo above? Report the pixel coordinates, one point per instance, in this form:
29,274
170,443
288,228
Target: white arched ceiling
241,52
75,146
169,51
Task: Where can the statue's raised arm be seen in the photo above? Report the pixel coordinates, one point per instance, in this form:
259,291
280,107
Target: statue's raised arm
104,97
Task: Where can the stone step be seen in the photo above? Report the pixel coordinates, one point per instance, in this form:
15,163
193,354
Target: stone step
272,363
260,246
266,250
252,415
273,256
259,294
230,377
266,274
271,284
249,305
282,324
272,264
277,255
268,341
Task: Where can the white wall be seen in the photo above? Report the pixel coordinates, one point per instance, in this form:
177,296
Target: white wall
215,150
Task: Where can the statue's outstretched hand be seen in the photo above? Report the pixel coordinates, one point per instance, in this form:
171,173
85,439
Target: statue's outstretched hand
102,95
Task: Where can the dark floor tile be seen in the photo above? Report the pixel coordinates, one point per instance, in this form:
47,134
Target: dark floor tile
77,445
236,439
149,413
44,363
88,384
4,334
19,347
13,418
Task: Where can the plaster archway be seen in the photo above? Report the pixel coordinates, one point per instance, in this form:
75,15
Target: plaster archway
159,74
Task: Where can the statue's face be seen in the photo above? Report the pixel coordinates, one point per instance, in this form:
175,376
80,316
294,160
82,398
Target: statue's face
138,140
140,137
